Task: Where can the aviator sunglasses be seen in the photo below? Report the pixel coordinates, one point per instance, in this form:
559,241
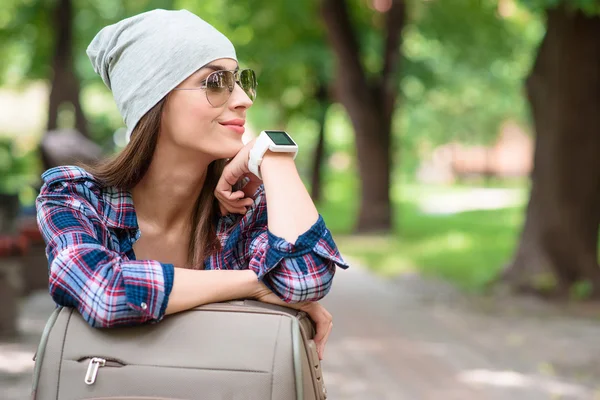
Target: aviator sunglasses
220,84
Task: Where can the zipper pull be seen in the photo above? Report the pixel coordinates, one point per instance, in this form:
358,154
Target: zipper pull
92,371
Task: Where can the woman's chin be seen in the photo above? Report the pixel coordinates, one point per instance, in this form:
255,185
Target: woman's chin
235,148
231,151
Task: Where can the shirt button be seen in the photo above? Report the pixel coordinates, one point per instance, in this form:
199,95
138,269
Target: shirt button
144,306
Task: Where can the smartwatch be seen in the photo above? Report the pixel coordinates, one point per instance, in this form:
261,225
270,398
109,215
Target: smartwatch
276,141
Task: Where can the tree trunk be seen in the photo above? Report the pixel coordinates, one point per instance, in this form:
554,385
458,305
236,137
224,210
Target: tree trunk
65,84
370,103
560,236
319,153
374,161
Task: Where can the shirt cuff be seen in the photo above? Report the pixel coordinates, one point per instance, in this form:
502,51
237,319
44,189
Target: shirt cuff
317,239
148,285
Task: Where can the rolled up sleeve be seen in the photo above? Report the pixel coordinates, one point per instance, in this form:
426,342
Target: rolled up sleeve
296,272
300,271
107,289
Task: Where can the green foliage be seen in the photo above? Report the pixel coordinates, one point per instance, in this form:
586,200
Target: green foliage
459,80
590,7
282,41
474,62
461,72
582,290
17,168
468,248
26,39
27,34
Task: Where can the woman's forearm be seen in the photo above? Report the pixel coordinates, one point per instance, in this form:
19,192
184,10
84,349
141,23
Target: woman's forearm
291,209
192,288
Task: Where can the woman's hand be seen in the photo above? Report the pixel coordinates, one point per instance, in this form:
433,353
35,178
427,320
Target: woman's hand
321,317
236,171
324,321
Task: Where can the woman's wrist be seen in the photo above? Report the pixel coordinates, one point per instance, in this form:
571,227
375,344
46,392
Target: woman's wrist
257,289
280,163
291,209
277,157
251,283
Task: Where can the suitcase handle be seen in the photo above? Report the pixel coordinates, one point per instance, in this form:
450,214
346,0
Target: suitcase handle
313,358
39,354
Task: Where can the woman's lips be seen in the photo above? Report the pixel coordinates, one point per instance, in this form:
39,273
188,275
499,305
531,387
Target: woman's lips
236,128
236,125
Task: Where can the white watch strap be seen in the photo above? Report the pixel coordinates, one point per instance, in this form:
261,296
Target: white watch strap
261,146
257,152
254,167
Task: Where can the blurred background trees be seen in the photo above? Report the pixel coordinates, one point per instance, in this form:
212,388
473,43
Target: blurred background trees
560,236
418,121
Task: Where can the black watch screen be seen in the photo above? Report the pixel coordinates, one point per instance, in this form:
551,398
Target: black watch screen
280,138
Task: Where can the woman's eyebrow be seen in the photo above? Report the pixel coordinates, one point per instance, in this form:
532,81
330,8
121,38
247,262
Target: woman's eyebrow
218,67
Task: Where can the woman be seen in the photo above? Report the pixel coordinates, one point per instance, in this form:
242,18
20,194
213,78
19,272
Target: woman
152,231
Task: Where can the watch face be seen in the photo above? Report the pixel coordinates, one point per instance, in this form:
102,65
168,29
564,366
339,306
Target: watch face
280,138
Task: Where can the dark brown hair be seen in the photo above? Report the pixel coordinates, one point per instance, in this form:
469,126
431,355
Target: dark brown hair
126,169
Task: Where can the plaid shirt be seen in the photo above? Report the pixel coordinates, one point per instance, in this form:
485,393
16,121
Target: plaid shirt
90,230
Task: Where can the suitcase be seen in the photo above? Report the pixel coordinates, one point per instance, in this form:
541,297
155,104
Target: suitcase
232,350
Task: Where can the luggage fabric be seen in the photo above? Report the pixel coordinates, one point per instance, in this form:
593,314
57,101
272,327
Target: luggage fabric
232,350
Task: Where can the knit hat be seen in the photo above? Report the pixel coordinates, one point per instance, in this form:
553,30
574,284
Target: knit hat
142,58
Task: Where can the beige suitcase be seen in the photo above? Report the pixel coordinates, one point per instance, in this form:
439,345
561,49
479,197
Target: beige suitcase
233,350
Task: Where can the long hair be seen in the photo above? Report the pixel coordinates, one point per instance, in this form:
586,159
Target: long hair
126,169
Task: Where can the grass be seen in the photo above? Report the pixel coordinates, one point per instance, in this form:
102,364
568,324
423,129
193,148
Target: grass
468,248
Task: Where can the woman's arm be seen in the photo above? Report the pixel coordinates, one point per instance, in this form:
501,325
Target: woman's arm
108,289
192,288
291,209
289,247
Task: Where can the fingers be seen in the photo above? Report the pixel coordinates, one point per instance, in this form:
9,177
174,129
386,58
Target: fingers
323,331
228,178
324,325
236,195
234,202
230,200
235,169
321,348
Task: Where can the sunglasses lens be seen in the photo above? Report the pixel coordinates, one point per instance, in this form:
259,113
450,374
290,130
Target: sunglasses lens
219,86
248,83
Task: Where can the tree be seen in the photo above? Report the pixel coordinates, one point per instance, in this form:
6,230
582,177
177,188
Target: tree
45,33
323,102
560,235
370,102
461,81
51,54
65,83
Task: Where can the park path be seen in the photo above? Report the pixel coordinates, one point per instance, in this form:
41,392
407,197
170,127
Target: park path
417,339
411,338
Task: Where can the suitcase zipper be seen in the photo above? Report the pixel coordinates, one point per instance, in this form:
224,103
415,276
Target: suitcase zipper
94,366
92,371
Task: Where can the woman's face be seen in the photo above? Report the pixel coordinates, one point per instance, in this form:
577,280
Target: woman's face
190,121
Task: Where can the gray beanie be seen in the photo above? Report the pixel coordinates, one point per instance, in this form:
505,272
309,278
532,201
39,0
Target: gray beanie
144,57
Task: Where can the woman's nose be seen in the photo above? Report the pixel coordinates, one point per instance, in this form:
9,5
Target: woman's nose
239,98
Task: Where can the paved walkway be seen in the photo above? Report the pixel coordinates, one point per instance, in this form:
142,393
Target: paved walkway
16,362
413,339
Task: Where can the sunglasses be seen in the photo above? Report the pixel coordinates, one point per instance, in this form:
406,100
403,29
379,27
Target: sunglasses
220,84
